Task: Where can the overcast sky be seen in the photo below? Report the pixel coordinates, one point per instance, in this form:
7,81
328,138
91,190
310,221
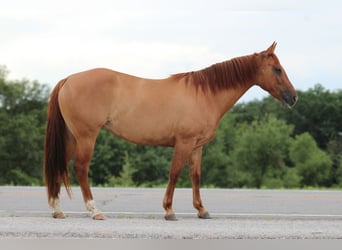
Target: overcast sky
48,40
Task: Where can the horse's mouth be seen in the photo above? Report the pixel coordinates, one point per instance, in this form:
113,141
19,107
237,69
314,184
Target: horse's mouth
289,100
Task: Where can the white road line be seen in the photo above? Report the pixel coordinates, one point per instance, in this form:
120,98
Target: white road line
22,213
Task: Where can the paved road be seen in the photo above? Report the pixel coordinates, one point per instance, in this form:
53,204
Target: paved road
137,213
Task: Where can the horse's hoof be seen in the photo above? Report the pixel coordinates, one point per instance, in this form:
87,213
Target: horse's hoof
99,217
58,215
204,216
170,217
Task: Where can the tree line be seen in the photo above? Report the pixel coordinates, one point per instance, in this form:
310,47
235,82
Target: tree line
258,144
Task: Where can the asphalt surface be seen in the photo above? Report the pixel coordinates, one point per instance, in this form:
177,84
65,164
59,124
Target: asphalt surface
138,213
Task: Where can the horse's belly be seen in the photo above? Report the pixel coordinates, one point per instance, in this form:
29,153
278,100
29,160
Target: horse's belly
144,133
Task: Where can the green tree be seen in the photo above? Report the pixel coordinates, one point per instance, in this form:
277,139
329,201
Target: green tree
338,173
313,164
22,126
150,165
109,157
260,153
318,112
125,178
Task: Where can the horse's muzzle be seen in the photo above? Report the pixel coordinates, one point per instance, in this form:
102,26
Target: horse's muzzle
289,98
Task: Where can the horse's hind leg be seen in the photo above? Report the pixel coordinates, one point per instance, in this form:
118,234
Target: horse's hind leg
84,152
55,202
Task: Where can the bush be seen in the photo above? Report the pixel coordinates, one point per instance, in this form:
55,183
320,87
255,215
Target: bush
259,153
312,164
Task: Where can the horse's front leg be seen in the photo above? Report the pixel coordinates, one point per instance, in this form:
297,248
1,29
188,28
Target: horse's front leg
195,175
181,153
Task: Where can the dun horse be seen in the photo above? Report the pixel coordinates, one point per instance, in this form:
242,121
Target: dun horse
182,111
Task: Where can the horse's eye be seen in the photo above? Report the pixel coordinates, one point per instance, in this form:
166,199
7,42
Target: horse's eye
277,70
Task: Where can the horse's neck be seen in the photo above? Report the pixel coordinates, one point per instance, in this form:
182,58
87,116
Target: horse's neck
225,99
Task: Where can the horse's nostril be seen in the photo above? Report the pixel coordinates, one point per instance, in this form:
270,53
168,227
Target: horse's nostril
294,99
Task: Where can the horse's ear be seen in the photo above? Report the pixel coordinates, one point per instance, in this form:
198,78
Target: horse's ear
271,49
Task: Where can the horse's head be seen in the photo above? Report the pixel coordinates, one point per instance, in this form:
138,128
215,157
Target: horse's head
272,77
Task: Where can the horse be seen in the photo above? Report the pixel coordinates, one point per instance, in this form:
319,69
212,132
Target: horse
182,111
